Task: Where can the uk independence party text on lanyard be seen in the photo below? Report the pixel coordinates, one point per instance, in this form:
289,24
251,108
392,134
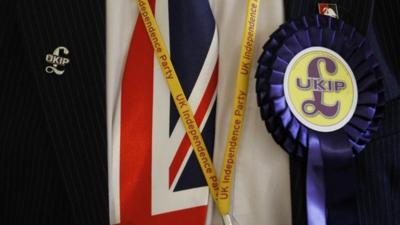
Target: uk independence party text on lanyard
221,191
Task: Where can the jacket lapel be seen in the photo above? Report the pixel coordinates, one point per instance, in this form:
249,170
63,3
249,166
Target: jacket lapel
355,12
65,40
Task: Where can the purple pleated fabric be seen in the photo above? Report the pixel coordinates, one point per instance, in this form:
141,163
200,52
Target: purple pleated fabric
331,178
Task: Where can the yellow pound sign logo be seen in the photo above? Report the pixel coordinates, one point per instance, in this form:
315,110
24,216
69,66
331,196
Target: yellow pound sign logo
320,89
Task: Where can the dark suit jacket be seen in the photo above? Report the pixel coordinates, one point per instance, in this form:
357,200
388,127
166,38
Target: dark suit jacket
53,157
378,166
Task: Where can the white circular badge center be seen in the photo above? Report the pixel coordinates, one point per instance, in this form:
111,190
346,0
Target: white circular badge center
320,89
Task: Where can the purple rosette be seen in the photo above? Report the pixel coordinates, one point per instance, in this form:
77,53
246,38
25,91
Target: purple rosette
331,177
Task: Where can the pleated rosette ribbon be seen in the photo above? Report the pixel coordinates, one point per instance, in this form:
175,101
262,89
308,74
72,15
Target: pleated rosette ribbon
331,183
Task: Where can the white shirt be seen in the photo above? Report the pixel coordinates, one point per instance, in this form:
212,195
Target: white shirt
262,184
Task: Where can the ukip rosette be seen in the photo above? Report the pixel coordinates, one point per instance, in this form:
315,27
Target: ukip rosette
320,93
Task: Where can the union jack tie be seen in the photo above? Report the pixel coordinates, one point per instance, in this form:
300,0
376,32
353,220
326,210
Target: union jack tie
160,180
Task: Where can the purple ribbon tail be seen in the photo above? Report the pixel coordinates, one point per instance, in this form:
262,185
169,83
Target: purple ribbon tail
340,178
331,180
315,186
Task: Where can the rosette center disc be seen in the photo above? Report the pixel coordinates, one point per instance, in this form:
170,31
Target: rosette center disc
320,89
